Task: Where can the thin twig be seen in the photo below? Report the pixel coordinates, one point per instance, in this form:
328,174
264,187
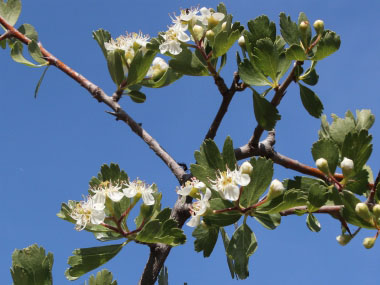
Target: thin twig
371,197
322,210
6,35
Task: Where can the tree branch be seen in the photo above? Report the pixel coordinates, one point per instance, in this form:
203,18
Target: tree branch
371,197
6,35
101,96
280,92
322,210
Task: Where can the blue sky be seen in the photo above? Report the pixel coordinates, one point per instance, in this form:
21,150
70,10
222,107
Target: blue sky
52,146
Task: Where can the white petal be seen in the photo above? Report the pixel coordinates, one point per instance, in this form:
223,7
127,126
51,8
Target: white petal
194,221
97,217
148,198
130,192
183,37
115,196
207,195
231,192
218,16
242,179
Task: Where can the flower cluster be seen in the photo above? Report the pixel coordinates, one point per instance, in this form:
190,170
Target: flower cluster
188,19
92,210
129,44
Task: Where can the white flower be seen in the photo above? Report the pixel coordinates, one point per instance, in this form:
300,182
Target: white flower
276,188
89,212
189,15
109,190
173,38
158,68
193,185
140,189
246,167
208,17
199,208
227,182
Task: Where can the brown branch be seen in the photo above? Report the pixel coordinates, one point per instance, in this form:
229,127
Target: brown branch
6,35
280,92
101,96
371,197
322,210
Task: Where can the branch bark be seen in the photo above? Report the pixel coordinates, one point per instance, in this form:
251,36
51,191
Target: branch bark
322,210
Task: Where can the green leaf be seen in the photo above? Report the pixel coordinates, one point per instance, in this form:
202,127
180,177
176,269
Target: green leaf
251,75
140,66
349,201
261,177
163,278
228,154
261,28
202,173
103,277
223,42
86,259
161,230
188,63
358,147
3,44
226,241
318,195
31,266
102,36
283,66
166,79
311,77
358,183
291,198
289,29
111,173
35,53
223,61
155,210
10,11
241,246
327,45
340,128
310,101
221,219
213,156
17,55
40,81
365,119
266,114
327,149
270,221
137,96
304,36
115,66
312,223
205,239
295,52
266,57
29,31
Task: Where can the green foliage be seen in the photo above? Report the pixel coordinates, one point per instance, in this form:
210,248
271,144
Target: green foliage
10,10
327,149
102,36
312,223
163,278
221,219
205,239
251,75
162,229
31,266
166,79
289,30
40,81
110,173
137,96
241,246
327,45
310,101
265,113
115,66
305,36
86,259
189,63
261,177
103,277
269,221
140,66
317,197
226,241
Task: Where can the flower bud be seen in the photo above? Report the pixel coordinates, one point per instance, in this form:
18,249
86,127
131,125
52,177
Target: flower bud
343,239
376,210
362,211
198,32
241,42
303,26
275,189
319,26
210,35
347,166
224,25
369,242
158,68
246,168
323,165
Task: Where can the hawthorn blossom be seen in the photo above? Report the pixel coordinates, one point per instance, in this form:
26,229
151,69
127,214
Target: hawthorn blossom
109,190
210,18
199,208
173,38
190,186
89,212
158,68
227,182
189,15
140,189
